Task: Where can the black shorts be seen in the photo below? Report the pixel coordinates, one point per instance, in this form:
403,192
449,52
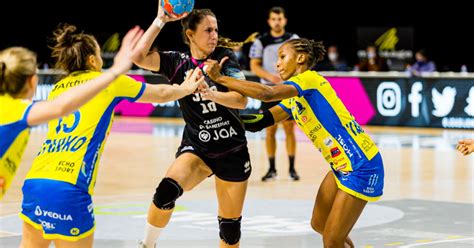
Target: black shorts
234,167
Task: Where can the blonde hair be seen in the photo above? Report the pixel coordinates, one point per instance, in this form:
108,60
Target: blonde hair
17,65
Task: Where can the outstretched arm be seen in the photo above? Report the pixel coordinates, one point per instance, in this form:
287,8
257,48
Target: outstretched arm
141,54
72,99
248,88
230,99
164,93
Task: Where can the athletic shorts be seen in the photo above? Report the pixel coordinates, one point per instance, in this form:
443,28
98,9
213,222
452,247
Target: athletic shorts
366,182
234,167
59,209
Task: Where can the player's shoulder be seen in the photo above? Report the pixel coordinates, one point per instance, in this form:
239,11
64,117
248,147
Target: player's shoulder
221,52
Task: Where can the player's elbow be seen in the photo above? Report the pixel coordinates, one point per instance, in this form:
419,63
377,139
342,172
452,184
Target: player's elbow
266,95
242,104
164,95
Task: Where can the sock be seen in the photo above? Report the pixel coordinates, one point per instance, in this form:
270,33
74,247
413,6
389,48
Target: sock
272,163
292,162
151,235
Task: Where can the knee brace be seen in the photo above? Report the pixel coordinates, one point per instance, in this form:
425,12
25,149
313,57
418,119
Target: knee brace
167,193
229,230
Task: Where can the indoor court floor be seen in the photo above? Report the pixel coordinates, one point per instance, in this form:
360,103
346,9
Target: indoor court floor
427,202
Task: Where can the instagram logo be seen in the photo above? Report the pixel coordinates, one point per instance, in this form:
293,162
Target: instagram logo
389,99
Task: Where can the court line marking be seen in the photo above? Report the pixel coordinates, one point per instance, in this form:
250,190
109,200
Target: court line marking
437,242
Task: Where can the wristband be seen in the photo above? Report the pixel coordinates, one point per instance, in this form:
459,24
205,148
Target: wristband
158,23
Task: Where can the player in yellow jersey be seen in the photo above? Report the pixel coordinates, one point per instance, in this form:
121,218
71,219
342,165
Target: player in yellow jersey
57,204
356,174
18,81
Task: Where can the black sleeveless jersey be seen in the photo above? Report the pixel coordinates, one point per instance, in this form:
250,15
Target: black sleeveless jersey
213,129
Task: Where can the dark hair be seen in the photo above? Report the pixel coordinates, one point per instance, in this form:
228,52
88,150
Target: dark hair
17,64
72,49
277,10
314,49
195,17
423,53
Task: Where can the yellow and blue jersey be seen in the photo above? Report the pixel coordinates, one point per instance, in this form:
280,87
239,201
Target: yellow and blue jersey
324,119
322,116
14,135
75,142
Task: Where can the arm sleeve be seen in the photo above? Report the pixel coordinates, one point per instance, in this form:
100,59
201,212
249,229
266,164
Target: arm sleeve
169,61
127,88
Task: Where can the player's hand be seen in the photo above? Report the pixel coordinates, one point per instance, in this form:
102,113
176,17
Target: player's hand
194,78
206,92
213,68
465,146
167,18
123,59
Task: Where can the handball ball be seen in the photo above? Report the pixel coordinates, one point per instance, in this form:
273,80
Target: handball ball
177,7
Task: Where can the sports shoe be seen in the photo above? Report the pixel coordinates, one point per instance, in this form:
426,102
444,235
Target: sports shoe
142,245
271,174
294,176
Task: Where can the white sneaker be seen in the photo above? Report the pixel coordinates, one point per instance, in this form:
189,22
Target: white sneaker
142,245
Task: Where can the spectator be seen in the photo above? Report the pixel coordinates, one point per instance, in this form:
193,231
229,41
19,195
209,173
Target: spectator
373,62
334,62
422,63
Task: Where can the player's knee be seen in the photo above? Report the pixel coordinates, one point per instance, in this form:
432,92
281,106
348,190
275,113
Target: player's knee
332,239
317,225
166,194
229,230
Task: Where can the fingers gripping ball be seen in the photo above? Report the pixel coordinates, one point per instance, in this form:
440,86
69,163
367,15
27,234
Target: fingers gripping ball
177,7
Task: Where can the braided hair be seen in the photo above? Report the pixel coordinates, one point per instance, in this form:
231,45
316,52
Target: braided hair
314,49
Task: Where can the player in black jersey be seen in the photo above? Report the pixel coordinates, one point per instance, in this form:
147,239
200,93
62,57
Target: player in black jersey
214,140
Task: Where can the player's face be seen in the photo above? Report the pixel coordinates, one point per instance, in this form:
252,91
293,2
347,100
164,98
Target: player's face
277,22
286,64
206,35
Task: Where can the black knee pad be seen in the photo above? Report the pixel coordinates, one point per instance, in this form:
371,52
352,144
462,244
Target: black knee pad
229,230
167,193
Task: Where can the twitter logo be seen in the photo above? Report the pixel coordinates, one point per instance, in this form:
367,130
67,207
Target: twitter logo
443,102
469,109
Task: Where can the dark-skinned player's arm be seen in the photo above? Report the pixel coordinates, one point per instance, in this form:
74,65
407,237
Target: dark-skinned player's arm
248,88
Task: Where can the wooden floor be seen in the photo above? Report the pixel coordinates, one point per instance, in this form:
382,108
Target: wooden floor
139,151
420,164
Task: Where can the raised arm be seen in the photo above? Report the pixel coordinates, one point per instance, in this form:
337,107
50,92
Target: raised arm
248,88
142,56
73,99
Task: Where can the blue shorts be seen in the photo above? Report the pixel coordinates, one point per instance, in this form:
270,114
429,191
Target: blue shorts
366,182
60,209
